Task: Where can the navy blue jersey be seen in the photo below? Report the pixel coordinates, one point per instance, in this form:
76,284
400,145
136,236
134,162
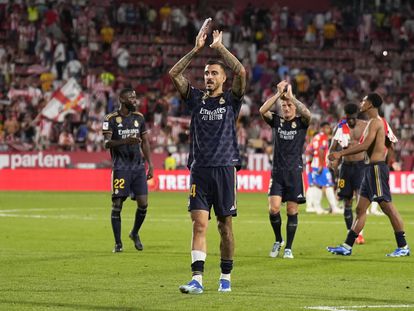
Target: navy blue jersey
125,157
289,138
213,129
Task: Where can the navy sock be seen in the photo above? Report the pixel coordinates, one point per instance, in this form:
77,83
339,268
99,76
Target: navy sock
348,216
292,224
276,223
400,237
351,237
197,267
226,266
140,214
116,225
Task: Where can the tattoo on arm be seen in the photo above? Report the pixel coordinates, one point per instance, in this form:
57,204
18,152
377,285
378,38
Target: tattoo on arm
176,73
239,82
302,109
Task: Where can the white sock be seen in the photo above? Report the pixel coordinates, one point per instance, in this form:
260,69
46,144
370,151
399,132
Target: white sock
225,276
310,198
198,278
198,256
330,195
317,193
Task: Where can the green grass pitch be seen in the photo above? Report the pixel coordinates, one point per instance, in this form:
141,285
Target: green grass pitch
56,248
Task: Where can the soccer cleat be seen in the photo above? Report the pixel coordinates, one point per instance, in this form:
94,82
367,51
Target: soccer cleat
224,285
360,239
288,254
400,252
276,249
118,248
137,242
193,287
340,250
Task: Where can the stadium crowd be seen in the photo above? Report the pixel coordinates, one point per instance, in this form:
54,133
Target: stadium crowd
331,58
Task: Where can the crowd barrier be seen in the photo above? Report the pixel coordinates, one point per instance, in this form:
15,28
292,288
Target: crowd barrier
178,180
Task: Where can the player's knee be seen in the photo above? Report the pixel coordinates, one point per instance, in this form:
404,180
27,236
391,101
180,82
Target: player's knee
225,230
199,227
274,209
116,206
361,210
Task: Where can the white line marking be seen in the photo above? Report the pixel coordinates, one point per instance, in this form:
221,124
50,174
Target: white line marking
18,213
354,308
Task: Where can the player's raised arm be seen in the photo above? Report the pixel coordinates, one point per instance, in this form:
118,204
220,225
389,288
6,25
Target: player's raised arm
268,104
370,133
239,80
300,107
176,72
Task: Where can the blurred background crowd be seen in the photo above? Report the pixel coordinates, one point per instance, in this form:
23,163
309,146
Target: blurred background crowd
331,58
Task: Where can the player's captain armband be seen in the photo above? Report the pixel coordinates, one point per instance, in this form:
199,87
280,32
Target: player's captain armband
105,126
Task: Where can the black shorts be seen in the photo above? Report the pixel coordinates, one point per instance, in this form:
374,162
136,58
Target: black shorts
213,186
129,182
375,186
287,184
350,178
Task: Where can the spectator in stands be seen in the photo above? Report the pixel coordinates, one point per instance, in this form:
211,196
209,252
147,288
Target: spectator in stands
107,36
122,56
170,163
11,126
66,141
74,69
59,57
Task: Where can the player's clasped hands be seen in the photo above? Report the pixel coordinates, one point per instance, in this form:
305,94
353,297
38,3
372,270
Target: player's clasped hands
132,140
202,34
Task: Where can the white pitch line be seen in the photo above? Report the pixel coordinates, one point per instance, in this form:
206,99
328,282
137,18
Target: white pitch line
16,213
342,308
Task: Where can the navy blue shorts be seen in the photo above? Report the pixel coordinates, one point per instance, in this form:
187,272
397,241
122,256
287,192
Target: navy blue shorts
129,183
375,186
350,178
213,187
287,184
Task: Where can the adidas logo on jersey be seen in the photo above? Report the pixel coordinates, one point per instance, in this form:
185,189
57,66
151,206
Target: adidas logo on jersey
233,208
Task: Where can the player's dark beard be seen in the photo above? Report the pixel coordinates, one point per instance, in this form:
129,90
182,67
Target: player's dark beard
130,107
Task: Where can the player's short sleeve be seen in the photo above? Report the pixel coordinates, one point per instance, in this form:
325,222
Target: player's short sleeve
194,97
142,127
272,120
303,125
235,101
107,125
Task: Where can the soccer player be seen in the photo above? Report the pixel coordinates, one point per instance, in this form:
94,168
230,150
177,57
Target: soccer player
347,134
376,140
214,155
322,179
124,133
286,184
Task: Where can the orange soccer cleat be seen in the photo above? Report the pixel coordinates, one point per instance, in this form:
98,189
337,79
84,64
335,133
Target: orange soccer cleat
360,239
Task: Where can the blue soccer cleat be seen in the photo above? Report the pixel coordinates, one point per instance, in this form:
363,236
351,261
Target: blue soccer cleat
340,250
400,252
224,285
193,287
